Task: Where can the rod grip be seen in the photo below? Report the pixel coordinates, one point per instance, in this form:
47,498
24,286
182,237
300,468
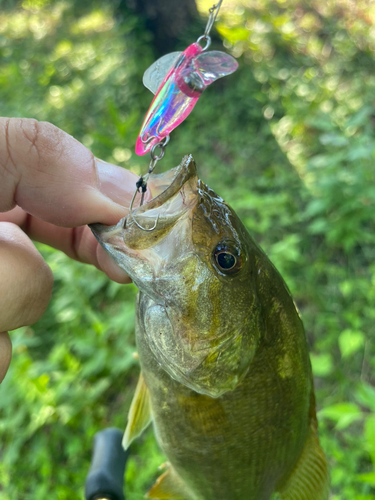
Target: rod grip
105,479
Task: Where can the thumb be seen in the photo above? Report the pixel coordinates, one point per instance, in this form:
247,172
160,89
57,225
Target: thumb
5,353
25,289
26,280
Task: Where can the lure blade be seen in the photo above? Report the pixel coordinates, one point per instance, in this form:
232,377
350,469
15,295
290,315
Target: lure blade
214,64
155,74
190,74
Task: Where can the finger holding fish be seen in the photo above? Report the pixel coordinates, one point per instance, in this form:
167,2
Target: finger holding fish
51,186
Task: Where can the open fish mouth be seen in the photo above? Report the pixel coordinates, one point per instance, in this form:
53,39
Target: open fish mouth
163,188
174,194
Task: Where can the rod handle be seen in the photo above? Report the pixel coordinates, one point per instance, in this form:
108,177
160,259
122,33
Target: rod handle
105,479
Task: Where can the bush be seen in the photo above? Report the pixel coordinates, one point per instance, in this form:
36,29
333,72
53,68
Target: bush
287,141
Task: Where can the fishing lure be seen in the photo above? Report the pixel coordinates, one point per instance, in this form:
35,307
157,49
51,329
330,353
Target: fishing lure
178,80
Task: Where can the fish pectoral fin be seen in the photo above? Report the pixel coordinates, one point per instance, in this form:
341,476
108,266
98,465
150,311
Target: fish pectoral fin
309,479
139,414
169,486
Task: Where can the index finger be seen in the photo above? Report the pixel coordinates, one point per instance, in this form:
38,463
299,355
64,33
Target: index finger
58,182
55,178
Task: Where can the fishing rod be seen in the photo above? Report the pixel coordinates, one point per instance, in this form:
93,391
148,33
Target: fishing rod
105,479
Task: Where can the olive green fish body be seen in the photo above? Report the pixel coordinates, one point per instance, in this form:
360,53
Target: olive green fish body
242,444
226,377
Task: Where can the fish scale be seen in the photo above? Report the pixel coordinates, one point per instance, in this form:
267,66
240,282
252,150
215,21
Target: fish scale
239,419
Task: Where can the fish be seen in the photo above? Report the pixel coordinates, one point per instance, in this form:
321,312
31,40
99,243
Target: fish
225,376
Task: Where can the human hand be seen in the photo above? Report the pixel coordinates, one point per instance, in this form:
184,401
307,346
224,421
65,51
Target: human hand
51,186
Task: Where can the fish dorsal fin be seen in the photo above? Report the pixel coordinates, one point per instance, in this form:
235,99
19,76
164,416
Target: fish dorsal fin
139,414
169,486
309,479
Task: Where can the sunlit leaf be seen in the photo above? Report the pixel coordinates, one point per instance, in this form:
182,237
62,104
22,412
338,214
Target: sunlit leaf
350,341
322,364
343,414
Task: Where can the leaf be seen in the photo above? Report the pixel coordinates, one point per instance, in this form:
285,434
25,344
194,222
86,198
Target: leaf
344,414
365,396
350,341
367,478
319,226
333,139
231,34
322,364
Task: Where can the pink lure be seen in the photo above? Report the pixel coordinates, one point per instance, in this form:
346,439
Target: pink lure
192,71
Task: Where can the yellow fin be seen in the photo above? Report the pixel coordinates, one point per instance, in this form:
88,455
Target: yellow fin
139,414
309,479
169,486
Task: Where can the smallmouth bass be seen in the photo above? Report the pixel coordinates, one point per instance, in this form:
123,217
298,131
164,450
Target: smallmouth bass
225,372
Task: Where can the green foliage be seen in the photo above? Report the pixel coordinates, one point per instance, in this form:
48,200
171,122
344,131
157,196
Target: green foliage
288,140
74,372
314,68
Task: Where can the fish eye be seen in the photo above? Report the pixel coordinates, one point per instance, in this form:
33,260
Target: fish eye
227,258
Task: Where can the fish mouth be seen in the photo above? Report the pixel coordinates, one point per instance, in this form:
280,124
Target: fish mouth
164,186
174,194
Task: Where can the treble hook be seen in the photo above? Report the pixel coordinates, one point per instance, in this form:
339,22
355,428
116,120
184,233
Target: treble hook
143,185
142,182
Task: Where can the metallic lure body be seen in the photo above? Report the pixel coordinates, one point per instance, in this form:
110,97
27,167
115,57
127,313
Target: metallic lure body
188,74
225,372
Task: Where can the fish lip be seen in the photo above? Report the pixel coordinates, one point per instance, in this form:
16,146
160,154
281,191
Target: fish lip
183,172
132,248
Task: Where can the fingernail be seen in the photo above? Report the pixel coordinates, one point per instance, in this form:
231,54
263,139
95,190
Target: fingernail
115,182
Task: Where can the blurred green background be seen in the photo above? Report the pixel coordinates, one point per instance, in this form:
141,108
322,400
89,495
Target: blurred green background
288,141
